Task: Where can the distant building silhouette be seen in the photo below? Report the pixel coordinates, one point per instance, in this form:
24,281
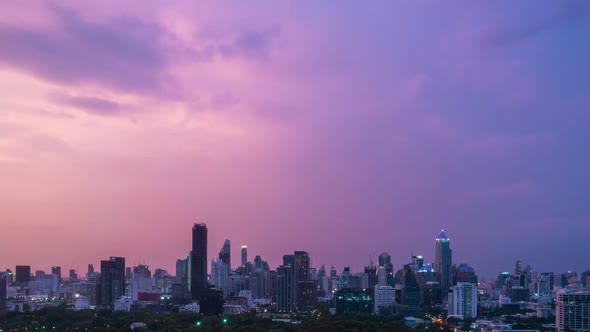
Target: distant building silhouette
112,281
225,254
23,274
244,256
385,262
410,289
57,271
371,271
198,263
3,293
286,288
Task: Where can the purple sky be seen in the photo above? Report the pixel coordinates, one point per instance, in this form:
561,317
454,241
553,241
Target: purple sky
341,128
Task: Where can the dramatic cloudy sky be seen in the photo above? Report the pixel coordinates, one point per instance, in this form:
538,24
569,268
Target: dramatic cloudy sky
343,128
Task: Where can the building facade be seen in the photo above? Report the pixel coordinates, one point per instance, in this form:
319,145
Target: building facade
572,310
462,302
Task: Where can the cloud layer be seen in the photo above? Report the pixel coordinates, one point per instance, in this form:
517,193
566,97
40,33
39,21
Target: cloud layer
344,131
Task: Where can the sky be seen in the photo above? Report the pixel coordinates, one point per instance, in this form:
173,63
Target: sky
342,128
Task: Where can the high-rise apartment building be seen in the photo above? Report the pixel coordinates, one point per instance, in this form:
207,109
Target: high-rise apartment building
198,264
572,310
285,288
112,281
462,302
443,263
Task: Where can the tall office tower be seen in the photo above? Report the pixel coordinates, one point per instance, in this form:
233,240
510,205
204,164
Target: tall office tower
572,310
225,254
90,268
23,273
305,286
112,281
3,291
410,289
244,256
371,272
345,278
198,262
285,288
464,273
301,265
443,264
181,269
518,268
73,275
385,261
462,301
57,271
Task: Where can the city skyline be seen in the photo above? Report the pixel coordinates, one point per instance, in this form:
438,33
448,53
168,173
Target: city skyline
344,130
375,260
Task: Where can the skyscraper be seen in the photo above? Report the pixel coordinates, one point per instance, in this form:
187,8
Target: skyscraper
385,261
3,291
225,254
57,271
244,256
112,281
371,271
198,261
74,275
23,273
411,289
181,269
295,288
462,301
286,288
572,310
443,264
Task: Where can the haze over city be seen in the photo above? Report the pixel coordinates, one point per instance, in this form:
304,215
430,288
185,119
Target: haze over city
342,130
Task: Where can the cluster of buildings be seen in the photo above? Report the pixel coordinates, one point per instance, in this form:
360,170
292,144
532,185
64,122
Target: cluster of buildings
296,286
